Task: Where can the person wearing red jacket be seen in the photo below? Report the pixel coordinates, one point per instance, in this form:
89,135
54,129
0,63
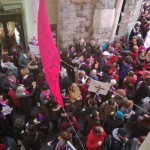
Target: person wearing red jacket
84,91
96,138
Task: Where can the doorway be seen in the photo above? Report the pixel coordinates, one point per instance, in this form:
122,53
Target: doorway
11,32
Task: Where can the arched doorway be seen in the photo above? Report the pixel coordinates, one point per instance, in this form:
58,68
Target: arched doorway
11,27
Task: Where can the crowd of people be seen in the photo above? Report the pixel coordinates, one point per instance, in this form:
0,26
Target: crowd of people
116,121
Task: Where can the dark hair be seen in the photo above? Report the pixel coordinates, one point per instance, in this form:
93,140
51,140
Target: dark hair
111,102
45,87
147,79
96,129
88,79
31,128
65,136
122,132
94,114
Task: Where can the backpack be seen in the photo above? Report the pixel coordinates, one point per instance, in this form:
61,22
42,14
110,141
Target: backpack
107,143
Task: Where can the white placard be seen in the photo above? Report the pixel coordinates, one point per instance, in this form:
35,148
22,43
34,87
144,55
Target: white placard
147,40
6,110
99,87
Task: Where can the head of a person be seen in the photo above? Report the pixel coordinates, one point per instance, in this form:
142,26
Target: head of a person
5,58
82,42
26,52
92,102
64,136
140,140
112,103
9,74
135,49
63,74
71,48
74,87
25,71
119,115
20,91
88,81
31,129
81,58
19,123
93,73
95,114
128,104
96,65
122,134
147,79
67,102
120,93
32,55
92,43
131,73
63,92
98,130
81,74
113,82
1,97
45,88
128,60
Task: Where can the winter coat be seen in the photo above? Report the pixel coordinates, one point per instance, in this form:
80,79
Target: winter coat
6,85
93,139
105,111
85,92
74,95
112,124
124,70
14,99
141,92
33,141
117,143
23,62
65,83
89,123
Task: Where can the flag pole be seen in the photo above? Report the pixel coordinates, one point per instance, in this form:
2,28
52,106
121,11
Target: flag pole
74,129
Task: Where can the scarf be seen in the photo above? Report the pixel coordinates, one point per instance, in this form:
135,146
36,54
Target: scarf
3,102
46,94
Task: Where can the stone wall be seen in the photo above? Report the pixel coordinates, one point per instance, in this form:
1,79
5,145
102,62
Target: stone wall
129,17
83,19
75,19
102,33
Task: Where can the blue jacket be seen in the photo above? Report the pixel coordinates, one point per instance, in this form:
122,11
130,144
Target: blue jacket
124,70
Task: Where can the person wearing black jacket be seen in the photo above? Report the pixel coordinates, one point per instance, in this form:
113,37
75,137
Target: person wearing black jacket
142,90
25,98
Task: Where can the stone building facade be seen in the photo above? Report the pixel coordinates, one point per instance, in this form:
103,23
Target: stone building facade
102,20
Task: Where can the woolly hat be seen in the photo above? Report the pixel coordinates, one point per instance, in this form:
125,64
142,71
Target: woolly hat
119,115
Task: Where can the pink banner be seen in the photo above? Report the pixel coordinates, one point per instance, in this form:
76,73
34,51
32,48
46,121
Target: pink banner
48,52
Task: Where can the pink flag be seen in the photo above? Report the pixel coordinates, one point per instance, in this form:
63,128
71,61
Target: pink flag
48,52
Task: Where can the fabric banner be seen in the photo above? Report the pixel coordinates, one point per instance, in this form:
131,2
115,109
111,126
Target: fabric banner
49,54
